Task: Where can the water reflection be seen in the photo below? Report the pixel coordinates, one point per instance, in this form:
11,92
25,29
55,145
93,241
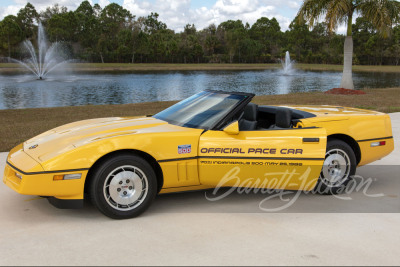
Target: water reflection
23,91
285,83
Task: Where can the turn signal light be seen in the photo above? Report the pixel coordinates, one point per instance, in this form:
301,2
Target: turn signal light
58,177
381,143
61,177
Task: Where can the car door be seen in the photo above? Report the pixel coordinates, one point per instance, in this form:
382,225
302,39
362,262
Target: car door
277,159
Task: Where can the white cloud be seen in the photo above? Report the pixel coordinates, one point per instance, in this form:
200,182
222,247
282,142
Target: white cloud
236,7
9,10
247,11
342,29
177,13
137,8
104,3
294,4
40,5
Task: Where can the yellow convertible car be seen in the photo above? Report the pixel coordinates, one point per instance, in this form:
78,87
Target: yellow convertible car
212,139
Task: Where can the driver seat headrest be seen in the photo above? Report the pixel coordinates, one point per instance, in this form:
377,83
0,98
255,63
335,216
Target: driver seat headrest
251,112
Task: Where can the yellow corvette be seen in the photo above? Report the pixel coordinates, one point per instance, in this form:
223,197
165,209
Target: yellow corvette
209,140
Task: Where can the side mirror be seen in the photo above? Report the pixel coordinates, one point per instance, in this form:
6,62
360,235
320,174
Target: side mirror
232,128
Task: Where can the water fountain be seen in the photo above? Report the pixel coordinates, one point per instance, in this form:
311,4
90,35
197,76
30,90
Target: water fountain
48,57
287,64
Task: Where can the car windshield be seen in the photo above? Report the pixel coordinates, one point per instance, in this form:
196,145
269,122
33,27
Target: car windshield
203,110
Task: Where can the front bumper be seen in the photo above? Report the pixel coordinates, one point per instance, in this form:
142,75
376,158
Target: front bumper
28,182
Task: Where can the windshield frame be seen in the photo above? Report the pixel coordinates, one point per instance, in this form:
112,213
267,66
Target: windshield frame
217,125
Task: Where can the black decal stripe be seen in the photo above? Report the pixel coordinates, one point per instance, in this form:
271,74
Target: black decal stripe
251,158
260,158
44,172
179,159
375,139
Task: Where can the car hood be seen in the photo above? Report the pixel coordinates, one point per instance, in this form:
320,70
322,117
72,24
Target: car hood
73,135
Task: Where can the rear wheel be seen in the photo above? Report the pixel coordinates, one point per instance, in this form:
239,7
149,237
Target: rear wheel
123,187
339,166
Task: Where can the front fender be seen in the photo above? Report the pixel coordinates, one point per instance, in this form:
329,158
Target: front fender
159,145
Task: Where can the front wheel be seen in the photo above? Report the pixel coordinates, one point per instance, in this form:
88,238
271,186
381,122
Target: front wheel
123,186
338,168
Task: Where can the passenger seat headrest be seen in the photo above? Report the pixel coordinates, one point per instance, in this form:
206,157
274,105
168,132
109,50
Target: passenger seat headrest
283,118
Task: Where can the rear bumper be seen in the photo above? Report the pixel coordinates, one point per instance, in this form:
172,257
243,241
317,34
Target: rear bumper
370,154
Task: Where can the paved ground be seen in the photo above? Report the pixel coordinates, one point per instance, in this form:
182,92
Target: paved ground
186,229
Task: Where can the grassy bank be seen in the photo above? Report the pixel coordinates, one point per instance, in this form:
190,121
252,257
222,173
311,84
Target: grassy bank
117,67
21,124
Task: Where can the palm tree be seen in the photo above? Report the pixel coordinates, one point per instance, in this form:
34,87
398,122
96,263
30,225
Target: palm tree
381,13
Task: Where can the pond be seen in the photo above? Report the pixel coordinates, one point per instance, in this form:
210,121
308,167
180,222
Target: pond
24,91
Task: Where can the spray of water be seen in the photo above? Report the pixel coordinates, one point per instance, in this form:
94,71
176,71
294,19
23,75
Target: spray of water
48,57
287,64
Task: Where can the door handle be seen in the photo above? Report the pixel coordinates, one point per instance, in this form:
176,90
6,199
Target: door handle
310,140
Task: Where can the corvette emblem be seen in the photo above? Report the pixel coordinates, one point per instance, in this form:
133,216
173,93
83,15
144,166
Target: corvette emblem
33,147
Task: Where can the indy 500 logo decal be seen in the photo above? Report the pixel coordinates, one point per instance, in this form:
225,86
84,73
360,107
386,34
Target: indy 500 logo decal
184,149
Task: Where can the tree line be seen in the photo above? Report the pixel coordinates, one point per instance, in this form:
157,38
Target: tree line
113,34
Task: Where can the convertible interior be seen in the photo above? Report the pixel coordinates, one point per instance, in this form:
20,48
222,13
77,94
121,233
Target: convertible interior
259,118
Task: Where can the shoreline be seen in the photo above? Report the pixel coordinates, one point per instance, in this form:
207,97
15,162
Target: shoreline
13,68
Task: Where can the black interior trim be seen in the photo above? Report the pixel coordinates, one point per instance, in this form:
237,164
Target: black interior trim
296,114
290,129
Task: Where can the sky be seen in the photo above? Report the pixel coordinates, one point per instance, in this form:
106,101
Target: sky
177,13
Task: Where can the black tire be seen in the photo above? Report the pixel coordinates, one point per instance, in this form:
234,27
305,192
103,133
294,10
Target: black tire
123,186
335,175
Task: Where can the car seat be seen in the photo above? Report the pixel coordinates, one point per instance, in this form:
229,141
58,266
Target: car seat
249,120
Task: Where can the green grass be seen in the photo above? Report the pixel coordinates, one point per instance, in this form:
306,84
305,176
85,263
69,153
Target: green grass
19,125
364,107
116,67
356,68
393,109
